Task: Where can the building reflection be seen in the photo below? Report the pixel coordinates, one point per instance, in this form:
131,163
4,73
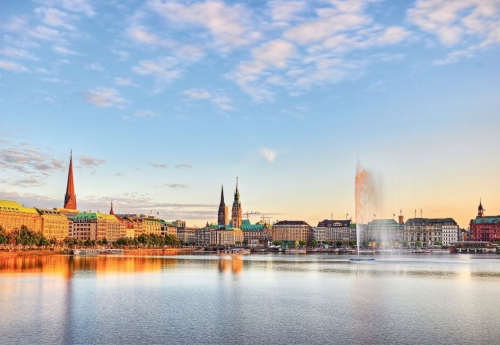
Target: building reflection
233,263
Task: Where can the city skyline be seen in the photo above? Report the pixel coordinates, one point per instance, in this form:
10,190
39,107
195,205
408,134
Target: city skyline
163,101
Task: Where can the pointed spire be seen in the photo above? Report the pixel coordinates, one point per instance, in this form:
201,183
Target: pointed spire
70,197
111,211
480,209
222,196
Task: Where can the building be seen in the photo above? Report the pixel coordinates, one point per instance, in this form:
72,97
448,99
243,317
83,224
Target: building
254,234
484,228
429,231
187,234
168,228
55,225
383,233
225,235
70,197
292,230
334,230
98,226
13,215
202,236
151,225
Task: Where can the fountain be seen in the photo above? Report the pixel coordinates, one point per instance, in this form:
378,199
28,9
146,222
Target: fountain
366,197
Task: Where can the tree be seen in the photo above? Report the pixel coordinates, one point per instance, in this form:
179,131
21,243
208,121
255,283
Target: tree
405,244
302,243
418,244
338,243
4,239
437,243
277,243
314,243
352,243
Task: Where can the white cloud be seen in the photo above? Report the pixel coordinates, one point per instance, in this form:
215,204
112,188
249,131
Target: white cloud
64,51
283,12
95,66
54,17
123,81
268,154
142,35
197,94
80,6
454,56
13,67
104,97
229,25
46,34
145,114
164,70
17,53
451,21
223,102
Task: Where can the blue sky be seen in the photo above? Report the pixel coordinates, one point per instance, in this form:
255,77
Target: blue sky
163,101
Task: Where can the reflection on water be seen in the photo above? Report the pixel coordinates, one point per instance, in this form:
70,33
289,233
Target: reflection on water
248,299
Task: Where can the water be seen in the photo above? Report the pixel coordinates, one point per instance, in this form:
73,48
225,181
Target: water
255,299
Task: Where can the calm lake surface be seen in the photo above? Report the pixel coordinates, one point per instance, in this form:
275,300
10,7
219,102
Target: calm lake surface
251,299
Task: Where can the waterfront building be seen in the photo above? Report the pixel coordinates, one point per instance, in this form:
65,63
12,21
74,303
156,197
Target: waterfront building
168,228
55,225
334,230
429,231
254,234
70,197
202,236
133,225
222,216
97,226
151,225
187,234
292,230
484,228
383,233
13,215
225,235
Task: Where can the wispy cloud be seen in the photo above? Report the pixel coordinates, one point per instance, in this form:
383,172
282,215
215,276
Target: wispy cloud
64,51
268,154
221,101
95,66
163,70
159,165
176,186
104,97
55,17
90,162
13,66
14,53
78,6
123,81
28,160
184,166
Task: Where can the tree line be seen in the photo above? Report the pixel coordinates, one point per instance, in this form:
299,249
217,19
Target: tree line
26,238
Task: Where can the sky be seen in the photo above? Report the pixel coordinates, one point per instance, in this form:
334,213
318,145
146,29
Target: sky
162,102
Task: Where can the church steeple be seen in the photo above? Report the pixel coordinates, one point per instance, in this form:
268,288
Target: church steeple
222,214
480,209
70,197
111,211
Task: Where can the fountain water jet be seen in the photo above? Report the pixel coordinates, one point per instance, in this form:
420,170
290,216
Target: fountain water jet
366,196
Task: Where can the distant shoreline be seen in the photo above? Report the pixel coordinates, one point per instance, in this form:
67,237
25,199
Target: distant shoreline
135,251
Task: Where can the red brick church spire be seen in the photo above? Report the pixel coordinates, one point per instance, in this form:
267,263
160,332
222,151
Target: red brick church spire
70,197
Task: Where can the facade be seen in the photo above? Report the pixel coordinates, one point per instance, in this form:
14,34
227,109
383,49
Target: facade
168,228
70,197
334,230
151,225
225,236
186,234
254,234
484,228
13,215
202,236
98,226
429,231
292,230
385,232
133,225
55,225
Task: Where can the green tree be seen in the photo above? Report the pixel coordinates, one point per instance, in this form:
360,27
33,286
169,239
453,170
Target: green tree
314,243
405,244
4,239
352,243
277,243
302,243
418,244
338,243
437,243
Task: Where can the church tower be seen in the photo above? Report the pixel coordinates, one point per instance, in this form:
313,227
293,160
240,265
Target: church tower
70,197
237,212
480,209
111,210
223,210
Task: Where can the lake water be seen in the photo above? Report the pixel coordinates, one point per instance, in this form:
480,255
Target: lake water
252,299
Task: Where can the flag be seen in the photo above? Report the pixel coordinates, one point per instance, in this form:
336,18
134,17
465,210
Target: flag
394,215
